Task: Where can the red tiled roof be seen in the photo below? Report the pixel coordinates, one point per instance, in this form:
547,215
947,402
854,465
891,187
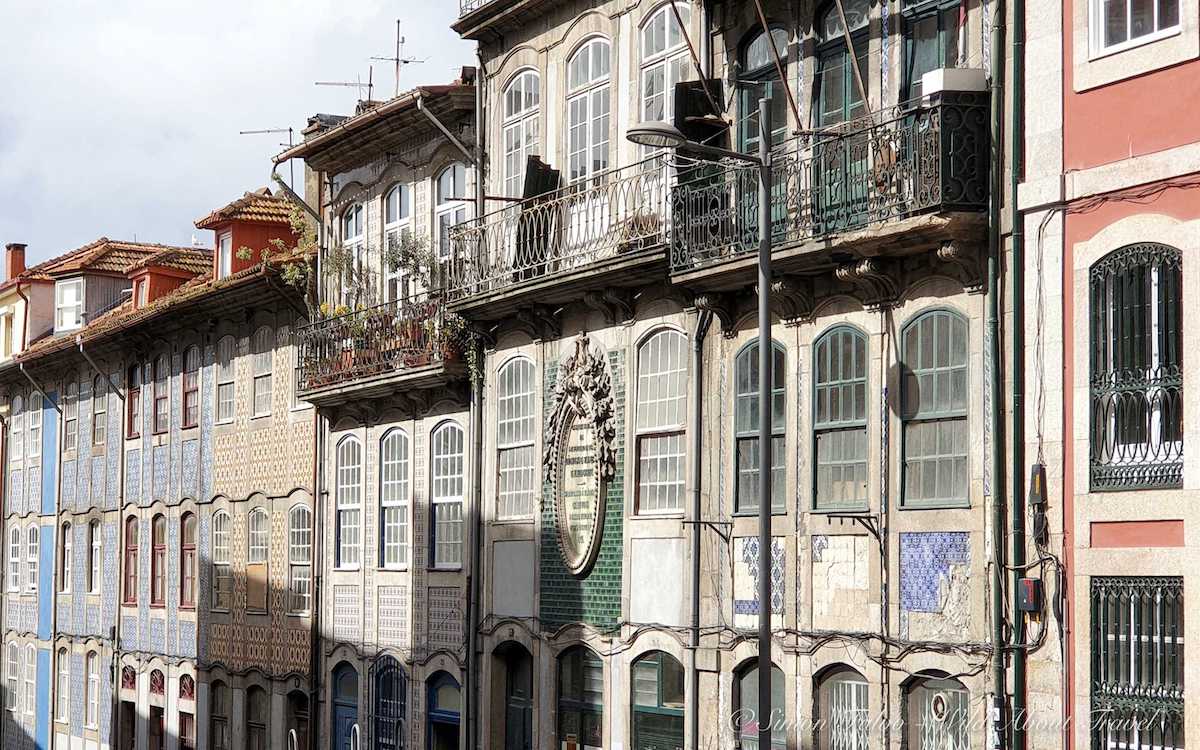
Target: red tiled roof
193,261
259,206
103,255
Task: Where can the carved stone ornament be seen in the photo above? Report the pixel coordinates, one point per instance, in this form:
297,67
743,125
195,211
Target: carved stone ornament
875,282
580,458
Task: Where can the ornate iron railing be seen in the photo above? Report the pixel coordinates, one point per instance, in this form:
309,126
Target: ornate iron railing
618,211
1137,429
468,6
372,341
866,173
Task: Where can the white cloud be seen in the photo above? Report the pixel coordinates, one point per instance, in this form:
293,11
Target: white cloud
122,118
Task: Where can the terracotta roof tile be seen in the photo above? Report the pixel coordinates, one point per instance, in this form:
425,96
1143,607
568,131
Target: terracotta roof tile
259,206
103,255
194,261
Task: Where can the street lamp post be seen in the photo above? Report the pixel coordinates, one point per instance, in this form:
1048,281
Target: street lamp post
665,135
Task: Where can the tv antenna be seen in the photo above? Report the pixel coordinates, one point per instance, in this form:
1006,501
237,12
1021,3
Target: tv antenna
399,60
289,144
357,84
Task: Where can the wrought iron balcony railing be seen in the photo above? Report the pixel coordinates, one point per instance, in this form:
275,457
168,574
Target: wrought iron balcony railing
619,211
468,6
1137,429
388,338
868,172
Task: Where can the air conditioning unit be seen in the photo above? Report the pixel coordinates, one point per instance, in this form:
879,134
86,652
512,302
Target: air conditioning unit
953,79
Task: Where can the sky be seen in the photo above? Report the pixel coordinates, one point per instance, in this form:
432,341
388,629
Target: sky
120,118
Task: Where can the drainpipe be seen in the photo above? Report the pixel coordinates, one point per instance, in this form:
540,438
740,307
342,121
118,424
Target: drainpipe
1016,168
995,384
702,325
314,720
472,671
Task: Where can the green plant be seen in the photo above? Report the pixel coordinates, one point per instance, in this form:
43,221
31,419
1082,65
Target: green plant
407,254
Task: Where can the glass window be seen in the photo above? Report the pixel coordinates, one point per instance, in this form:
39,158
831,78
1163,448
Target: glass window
844,706
391,689
760,79
661,406
588,109
62,691
257,712
664,62
158,561
746,712
933,398
745,418
258,532
70,417
225,378
516,460
393,498
32,543
13,678
191,387
932,33
162,396
35,425
1120,24
397,229
219,717
131,560
133,401
348,495
16,437
264,346
68,304
14,558
222,575
448,479
64,563
95,557
937,714
99,410
451,208
187,560
224,254
839,98
30,679
840,420
580,698
658,702
520,129
299,559
91,716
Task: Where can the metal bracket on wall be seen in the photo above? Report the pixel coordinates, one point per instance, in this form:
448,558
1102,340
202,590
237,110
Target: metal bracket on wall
88,358
37,387
868,522
723,528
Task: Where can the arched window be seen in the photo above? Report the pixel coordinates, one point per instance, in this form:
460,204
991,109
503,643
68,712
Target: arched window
746,707
71,416
12,677
128,678
664,61
100,410
445,705
219,717
843,710
187,712
840,420
187,561
222,575
352,229
35,425
345,706
580,698
516,460
14,558
448,480
658,702
348,494
393,498
33,541
64,559
661,406
937,713
62,691
187,688
131,560
162,395
297,721
16,435
257,718
1137,368
838,96
258,537
133,401
514,665
95,557
588,109
158,561
299,559
191,386
391,688
397,228
451,207
520,128
158,683
30,700
264,347
745,418
91,716
933,394
759,78
226,349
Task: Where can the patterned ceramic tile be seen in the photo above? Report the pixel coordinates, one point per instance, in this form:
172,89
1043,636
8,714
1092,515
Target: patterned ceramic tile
925,560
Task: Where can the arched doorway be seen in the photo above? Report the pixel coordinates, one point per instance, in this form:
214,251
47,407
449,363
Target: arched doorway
514,675
445,706
345,708
580,699
391,689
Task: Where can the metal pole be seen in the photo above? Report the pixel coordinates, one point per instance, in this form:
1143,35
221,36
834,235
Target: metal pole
765,361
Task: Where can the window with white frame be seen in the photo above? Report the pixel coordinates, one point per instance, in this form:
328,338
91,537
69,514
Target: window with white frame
393,498
12,676
516,461
35,425
99,410
352,227
224,254
299,559
520,128
95,558
661,406
162,394
68,304
665,63
348,499
222,574
1120,24
225,378
64,563
397,228
264,346
91,716
844,710
187,561
191,386
14,558
16,433
588,108
30,700
448,479
33,538
62,693
451,208
71,417
258,533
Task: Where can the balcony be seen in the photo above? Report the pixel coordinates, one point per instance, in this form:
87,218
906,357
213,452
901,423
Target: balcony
470,6
1137,429
607,231
370,352
895,186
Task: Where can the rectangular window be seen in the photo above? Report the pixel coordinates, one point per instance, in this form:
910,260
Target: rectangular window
447,495
68,304
516,462
299,560
263,349
92,707
224,255
393,500
746,411
934,410
187,731
133,401
95,559
348,498
1120,24
840,420
222,574
225,378
162,395
191,387
100,411
1137,662
35,425
71,417
16,434
33,542
932,39
661,403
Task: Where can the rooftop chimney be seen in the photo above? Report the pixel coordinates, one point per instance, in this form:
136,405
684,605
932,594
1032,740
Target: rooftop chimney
14,260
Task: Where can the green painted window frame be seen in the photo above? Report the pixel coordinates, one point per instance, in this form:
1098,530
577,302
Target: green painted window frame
748,354
828,339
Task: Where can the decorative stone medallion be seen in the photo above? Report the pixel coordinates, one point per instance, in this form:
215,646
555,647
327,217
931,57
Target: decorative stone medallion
580,459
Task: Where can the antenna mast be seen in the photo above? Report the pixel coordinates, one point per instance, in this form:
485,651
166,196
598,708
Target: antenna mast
399,60
289,144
